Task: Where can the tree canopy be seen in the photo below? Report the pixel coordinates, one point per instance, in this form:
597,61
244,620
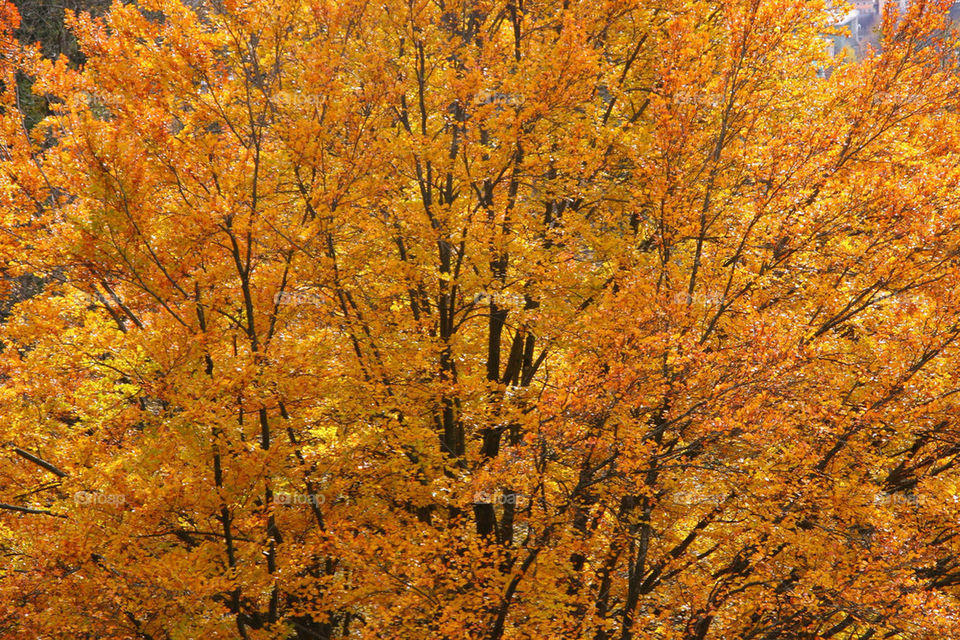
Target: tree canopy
500,319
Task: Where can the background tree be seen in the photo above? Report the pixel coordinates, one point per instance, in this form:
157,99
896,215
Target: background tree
42,22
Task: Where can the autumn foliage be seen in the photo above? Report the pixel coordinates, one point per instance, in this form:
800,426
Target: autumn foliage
516,319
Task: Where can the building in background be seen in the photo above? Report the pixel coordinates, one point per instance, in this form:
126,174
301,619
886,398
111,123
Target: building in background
900,5
846,39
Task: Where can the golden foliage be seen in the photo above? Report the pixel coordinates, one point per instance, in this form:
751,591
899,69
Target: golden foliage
485,319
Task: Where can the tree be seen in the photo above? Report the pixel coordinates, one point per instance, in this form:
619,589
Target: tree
42,23
516,319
